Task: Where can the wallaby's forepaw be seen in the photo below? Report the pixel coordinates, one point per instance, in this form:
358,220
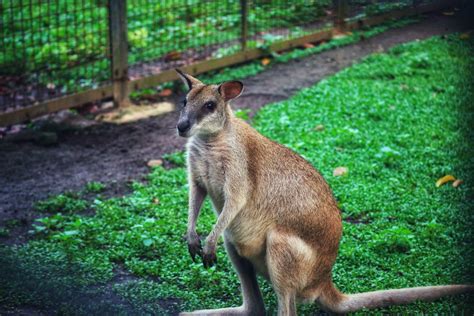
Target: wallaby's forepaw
194,245
209,257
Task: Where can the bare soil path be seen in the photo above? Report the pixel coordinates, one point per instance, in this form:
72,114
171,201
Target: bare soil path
116,155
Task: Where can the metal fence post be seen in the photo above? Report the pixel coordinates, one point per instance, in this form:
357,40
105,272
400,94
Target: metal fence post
244,9
119,51
340,10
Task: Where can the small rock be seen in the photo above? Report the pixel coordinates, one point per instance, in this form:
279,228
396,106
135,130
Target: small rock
107,105
154,163
340,171
319,127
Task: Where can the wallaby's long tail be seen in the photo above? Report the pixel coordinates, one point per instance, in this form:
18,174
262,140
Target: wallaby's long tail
334,301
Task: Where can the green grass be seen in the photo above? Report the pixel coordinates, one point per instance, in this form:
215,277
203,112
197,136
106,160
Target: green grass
398,121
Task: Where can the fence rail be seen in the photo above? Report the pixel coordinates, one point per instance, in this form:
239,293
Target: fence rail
59,54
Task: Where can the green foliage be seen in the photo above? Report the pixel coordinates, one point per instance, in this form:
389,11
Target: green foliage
67,203
398,121
178,159
4,232
95,187
378,7
242,114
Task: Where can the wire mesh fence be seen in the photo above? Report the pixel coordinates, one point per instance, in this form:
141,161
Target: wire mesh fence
273,21
55,48
51,48
362,8
166,34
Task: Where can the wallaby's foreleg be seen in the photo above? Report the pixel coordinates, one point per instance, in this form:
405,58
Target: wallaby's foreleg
232,205
197,194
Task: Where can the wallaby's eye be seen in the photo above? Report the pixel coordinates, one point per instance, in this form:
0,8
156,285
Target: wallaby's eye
210,105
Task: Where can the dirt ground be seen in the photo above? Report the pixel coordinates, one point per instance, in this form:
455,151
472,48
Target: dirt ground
116,155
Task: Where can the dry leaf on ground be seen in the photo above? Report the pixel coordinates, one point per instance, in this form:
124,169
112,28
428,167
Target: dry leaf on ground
340,171
173,55
266,61
165,93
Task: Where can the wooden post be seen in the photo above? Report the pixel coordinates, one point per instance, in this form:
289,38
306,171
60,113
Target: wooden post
340,11
244,9
119,51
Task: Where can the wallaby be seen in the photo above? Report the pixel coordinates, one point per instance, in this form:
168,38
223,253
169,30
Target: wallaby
277,214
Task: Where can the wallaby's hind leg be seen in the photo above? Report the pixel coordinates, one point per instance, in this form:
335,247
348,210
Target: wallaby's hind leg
252,298
289,261
286,304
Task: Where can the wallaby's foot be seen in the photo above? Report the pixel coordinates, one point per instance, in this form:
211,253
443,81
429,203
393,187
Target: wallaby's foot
209,257
241,311
194,245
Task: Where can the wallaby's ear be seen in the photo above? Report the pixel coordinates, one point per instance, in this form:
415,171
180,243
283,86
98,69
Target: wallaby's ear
188,80
230,89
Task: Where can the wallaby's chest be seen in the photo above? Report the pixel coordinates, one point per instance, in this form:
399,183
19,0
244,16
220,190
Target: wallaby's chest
208,165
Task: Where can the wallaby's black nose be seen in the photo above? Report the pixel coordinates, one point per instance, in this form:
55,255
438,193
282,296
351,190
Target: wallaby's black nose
183,126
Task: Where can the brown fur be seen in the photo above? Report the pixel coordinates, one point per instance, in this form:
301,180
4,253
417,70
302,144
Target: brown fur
277,213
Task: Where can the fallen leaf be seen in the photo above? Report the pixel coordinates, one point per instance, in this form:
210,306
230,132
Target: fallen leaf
448,13
457,183
319,127
445,179
266,61
165,93
156,201
465,36
308,45
340,171
171,56
155,163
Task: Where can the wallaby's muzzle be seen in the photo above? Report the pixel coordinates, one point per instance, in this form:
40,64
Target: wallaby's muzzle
183,127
